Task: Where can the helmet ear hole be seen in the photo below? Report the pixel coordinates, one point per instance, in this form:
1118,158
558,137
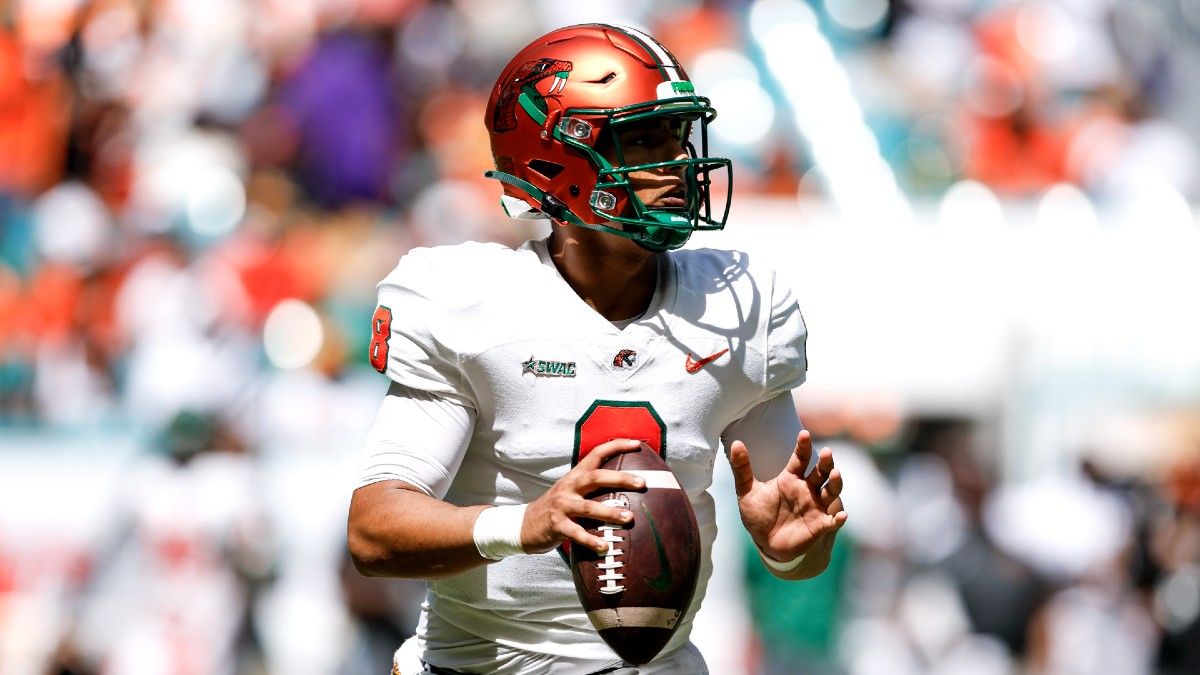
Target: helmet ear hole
547,170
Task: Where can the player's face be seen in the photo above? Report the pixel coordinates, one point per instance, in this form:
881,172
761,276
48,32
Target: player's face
655,140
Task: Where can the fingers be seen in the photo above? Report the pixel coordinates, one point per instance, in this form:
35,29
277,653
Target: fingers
576,533
837,513
566,503
605,450
556,517
801,455
743,475
820,473
590,481
598,511
831,494
833,487
586,509
587,476
825,462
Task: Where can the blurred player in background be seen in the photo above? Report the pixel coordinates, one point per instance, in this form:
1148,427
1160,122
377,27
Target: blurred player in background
516,373
190,550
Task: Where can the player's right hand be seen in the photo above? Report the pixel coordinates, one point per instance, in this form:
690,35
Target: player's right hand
551,518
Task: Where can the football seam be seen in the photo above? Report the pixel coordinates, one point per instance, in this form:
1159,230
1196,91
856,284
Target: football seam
609,575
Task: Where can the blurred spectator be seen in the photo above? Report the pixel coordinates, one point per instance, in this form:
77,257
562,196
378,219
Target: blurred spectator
1101,598
345,108
1015,145
189,546
1175,552
385,612
797,628
34,117
999,592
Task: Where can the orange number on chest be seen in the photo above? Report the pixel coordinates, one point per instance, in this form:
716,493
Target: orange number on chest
606,420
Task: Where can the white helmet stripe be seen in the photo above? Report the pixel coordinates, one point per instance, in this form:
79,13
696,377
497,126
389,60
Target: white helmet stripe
660,52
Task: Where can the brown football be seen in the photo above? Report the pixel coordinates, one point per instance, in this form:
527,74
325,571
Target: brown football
637,592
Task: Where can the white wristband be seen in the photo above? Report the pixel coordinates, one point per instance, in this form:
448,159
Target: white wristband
776,565
497,531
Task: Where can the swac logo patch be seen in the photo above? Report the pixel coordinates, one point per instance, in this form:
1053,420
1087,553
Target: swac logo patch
625,359
504,117
548,368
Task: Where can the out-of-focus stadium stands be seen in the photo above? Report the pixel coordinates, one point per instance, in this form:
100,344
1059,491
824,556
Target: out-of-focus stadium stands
987,209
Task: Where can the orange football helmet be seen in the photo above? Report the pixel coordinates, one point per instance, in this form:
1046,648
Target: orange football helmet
571,88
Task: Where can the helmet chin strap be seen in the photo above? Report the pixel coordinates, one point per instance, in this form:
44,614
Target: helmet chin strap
672,231
548,205
664,237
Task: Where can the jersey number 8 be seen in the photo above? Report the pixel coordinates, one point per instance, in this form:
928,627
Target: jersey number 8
381,330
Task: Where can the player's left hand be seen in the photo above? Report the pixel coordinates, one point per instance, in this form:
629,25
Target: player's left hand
793,513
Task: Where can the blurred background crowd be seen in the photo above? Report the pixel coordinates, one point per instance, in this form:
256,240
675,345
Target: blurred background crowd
987,208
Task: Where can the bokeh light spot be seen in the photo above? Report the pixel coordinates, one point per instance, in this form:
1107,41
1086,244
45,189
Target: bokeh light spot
292,334
1064,206
970,204
216,202
857,15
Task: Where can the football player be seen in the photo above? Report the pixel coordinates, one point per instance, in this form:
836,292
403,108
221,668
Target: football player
515,373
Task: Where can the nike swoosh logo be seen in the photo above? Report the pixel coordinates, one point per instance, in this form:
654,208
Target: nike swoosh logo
694,365
662,582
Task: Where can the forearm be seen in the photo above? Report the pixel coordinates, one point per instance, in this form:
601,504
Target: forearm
395,531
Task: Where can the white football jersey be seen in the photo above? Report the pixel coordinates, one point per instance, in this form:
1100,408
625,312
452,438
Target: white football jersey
501,332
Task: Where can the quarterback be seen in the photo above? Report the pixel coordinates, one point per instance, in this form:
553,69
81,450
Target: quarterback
515,373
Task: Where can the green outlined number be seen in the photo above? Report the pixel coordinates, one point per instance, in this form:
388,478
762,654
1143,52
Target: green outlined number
606,420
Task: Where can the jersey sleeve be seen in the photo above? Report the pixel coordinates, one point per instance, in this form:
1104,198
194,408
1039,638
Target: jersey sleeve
769,431
786,336
413,330
419,438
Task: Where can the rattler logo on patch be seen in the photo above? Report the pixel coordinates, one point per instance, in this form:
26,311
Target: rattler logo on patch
548,368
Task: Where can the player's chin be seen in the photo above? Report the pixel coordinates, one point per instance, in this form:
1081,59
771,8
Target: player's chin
669,203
